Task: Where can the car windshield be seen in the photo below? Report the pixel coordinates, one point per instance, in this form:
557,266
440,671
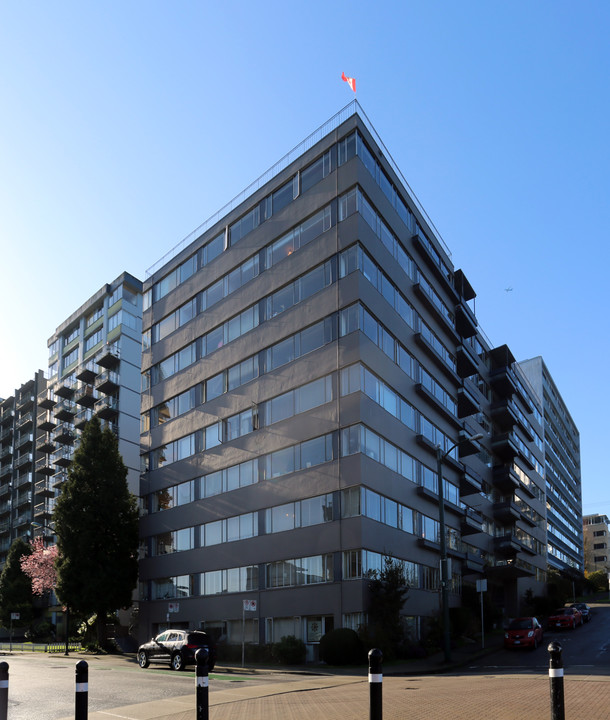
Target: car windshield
521,624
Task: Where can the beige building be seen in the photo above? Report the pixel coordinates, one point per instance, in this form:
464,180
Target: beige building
595,533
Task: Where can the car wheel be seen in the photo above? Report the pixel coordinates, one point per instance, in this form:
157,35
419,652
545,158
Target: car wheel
177,662
143,660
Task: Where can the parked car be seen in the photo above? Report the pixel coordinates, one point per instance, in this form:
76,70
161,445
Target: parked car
523,632
565,617
178,648
584,609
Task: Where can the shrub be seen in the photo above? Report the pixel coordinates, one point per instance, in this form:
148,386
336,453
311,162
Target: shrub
341,647
289,651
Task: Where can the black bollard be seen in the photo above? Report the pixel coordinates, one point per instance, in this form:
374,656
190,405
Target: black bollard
556,681
3,690
82,691
203,704
375,685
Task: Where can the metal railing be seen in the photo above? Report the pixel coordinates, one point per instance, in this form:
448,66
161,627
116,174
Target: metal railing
334,122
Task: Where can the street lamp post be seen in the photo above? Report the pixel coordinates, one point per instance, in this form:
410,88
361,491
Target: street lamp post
445,579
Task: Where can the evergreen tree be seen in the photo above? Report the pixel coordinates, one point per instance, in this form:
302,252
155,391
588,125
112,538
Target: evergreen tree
96,522
16,586
388,591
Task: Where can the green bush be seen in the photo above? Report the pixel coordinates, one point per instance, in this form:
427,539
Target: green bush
289,651
342,647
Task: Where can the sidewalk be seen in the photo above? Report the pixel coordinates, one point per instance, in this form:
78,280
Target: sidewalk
343,693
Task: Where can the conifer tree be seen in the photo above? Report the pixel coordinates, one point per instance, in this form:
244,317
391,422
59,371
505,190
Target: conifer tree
15,586
96,522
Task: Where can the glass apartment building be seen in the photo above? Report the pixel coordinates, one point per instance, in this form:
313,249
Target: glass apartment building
94,370
305,352
562,472
19,484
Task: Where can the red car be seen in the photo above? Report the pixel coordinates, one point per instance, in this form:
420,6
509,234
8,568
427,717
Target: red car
523,632
565,618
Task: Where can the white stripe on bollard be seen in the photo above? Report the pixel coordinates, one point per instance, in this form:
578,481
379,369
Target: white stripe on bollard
3,684
375,678
82,687
555,672
202,681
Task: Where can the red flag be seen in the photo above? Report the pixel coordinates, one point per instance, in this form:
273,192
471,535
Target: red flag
350,81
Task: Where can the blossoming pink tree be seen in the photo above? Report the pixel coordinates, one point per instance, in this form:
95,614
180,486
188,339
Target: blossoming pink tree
40,566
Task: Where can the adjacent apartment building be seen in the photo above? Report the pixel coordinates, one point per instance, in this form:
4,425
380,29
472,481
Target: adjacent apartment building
597,550
19,482
305,354
562,472
94,370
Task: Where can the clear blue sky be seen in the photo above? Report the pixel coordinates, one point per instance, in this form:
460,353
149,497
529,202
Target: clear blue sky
124,125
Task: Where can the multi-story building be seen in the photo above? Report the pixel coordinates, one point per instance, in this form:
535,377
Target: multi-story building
595,540
18,479
562,472
306,352
94,369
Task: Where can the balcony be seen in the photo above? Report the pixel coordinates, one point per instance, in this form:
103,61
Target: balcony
505,478
466,445
45,421
6,452
504,414
470,483
109,357
506,545
5,526
87,372
26,402
82,418
44,510
44,488
467,403
44,467
23,499
6,471
510,569
45,444
6,507
46,399
64,434
24,441
23,481
447,323
5,489
107,381
6,433
471,523
7,416
65,388
467,361
85,395
23,460
25,421
465,320
22,520
65,410
63,457
506,512
59,479
504,446
503,382
107,408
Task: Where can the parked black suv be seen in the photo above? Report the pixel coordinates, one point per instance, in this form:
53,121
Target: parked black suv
584,609
178,648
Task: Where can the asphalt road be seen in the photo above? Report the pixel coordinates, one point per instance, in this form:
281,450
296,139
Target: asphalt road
584,650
